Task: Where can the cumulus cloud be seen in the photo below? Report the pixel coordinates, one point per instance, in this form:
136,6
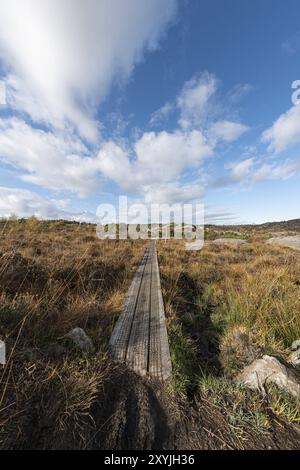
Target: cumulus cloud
158,158
194,99
165,154
115,165
63,57
284,132
67,53
250,171
24,203
239,171
276,171
198,109
227,131
63,163
57,162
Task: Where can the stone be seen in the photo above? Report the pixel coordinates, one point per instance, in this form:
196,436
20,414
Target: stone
295,358
295,345
80,339
269,370
289,241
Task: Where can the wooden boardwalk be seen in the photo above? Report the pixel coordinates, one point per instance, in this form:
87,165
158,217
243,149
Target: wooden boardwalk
140,338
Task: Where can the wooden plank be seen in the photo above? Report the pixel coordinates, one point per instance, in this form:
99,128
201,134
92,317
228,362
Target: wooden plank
120,337
159,361
137,351
166,364
154,356
140,336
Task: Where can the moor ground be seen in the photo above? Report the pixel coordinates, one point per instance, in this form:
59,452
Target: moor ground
225,305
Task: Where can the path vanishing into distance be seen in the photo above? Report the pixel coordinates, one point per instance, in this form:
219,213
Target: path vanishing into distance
140,338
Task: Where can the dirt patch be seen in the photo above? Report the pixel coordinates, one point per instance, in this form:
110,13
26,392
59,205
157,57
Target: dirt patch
136,413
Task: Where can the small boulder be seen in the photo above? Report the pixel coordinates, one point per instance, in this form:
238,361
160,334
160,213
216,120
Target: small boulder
269,370
295,345
295,358
80,339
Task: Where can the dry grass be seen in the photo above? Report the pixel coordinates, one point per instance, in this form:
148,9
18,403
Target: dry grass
54,277
225,306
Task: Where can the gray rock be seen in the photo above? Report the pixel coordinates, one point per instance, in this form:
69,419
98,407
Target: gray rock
80,339
269,370
295,345
295,358
289,241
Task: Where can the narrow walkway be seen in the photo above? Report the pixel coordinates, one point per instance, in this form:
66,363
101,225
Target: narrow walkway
140,336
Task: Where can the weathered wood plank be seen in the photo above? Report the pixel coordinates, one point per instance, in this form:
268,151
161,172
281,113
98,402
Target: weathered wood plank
137,351
120,337
140,336
166,365
154,356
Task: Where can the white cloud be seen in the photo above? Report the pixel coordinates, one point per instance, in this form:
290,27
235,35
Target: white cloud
162,113
241,169
238,92
239,172
162,156
250,171
67,53
193,100
63,163
275,171
198,109
159,160
284,132
52,161
227,131
24,203
114,164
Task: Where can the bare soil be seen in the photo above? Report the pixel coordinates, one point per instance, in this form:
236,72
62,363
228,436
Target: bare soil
141,414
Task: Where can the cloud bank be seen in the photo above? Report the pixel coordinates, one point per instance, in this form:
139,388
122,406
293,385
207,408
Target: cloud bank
66,54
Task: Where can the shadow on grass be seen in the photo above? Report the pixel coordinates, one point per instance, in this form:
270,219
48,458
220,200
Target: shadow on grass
193,339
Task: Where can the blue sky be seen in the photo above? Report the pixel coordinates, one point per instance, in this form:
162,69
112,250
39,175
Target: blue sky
163,100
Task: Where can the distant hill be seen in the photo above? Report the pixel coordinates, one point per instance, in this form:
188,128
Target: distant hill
286,225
